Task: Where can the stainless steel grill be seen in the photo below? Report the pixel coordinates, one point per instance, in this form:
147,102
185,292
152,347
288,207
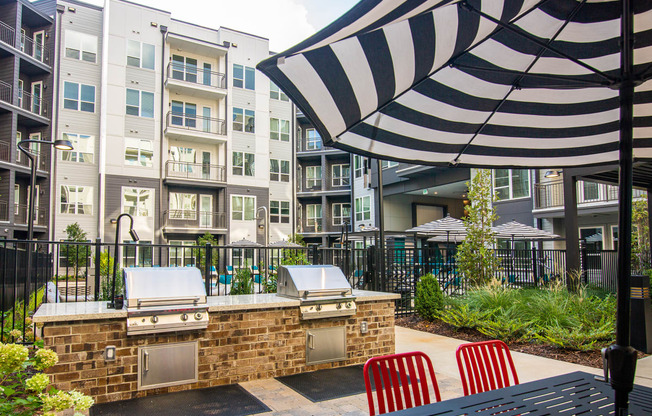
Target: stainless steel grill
323,291
164,299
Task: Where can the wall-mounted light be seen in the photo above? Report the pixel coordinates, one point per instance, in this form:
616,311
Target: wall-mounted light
72,10
153,24
553,173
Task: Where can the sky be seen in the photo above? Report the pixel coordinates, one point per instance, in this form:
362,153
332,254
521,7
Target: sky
284,22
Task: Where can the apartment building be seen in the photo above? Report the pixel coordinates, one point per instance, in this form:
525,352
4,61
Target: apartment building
26,45
170,123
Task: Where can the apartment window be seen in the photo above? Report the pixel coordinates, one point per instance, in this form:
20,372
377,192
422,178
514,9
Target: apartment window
140,55
340,212
313,139
76,200
138,202
511,183
244,77
137,253
279,170
386,164
243,208
183,206
181,256
79,97
81,46
279,212
275,93
341,174
363,208
83,148
313,216
358,165
139,152
279,129
243,164
184,114
140,103
313,177
243,120
184,69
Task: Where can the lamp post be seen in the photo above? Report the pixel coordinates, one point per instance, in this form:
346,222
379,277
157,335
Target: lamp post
22,146
265,219
134,236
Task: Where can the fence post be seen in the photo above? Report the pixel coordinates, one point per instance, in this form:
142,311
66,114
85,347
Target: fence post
98,253
372,272
208,262
315,254
535,267
585,268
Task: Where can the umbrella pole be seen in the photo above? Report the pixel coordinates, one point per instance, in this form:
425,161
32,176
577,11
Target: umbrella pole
622,357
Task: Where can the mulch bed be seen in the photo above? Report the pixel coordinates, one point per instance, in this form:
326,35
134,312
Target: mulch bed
587,358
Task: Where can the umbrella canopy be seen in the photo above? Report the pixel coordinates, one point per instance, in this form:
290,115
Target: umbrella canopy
517,231
244,243
446,226
285,244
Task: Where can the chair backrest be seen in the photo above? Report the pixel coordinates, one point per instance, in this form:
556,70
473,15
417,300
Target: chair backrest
400,381
485,366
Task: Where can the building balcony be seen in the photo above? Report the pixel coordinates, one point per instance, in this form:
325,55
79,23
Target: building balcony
201,174
192,221
192,127
35,110
21,215
5,152
4,211
196,82
36,57
550,195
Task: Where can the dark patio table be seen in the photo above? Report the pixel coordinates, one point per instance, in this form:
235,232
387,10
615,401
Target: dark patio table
575,393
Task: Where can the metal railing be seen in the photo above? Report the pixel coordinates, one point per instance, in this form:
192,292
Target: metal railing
36,50
193,122
5,152
34,104
195,75
4,211
551,194
195,171
6,94
7,34
184,218
21,214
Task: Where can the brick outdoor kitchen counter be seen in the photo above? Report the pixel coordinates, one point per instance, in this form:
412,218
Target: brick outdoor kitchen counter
248,337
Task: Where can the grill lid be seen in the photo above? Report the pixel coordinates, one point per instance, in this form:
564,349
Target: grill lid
163,286
312,282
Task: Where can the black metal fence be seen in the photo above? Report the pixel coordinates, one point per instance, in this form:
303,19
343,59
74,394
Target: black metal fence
81,272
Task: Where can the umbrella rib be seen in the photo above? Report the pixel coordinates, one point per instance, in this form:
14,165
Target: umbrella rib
519,78
583,82
545,45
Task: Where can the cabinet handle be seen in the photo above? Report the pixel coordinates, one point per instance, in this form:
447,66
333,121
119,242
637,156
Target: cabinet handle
146,356
311,341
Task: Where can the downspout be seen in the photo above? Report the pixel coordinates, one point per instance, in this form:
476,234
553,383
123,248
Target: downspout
159,231
294,170
55,121
104,86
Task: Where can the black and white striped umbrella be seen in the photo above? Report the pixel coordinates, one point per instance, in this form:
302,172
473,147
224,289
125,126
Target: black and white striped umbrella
518,231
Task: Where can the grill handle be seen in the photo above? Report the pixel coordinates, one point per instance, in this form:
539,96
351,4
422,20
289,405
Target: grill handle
326,292
146,356
164,302
311,341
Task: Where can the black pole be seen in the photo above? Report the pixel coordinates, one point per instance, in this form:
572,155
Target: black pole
112,303
622,357
381,225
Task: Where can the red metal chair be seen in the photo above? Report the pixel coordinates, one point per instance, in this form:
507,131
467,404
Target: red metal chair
401,381
485,366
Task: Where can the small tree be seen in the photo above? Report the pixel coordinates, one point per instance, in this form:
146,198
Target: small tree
640,235
207,238
106,276
76,254
297,256
428,300
476,259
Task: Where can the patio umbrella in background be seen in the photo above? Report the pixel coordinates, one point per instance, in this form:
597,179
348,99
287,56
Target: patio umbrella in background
285,244
244,243
517,231
511,83
446,226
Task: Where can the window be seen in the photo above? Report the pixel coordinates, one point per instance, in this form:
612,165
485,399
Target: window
279,129
313,139
313,177
279,170
244,77
138,152
140,103
83,148
341,174
243,208
279,212
137,253
243,164
79,97
386,164
184,114
243,120
275,93
81,46
138,202
140,55
184,69
181,256
511,183
358,165
589,191
363,208
76,200
183,206
313,217
340,212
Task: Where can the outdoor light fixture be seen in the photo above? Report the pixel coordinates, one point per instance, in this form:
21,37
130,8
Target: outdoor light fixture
134,237
552,174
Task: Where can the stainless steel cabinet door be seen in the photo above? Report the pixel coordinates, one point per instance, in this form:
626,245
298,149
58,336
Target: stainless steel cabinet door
324,345
167,365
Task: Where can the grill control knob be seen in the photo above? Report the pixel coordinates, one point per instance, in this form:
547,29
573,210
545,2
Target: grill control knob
198,316
184,317
348,304
154,319
339,306
318,307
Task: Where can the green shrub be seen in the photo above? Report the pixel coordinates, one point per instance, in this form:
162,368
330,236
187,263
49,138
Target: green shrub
242,282
428,300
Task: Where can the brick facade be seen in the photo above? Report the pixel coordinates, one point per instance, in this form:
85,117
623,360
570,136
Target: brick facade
236,347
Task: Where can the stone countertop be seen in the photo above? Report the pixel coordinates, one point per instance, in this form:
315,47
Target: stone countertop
80,311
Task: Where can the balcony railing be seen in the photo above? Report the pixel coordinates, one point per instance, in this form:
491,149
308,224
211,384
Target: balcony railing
196,123
195,171
5,152
551,194
6,92
27,101
4,211
21,215
27,45
195,75
181,218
